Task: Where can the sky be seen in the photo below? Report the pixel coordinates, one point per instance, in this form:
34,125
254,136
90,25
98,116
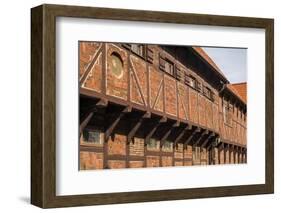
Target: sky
231,61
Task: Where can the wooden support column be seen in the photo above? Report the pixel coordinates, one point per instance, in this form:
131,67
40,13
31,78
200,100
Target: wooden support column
234,154
229,155
239,154
211,151
221,149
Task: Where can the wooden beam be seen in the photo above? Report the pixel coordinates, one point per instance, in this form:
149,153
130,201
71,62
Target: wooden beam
182,133
205,142
114,123
151,132
147,115
102,103
85,121
133,131
166,135
177,124
127,109
200,137
191,136
138,84
163,119
211,143
158,93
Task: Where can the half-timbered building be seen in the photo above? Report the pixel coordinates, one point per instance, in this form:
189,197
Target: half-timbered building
156,106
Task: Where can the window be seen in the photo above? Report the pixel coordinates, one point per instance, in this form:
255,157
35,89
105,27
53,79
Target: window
186,79
180,74
116,65
208,93
227,109
166,65
149,55
167,145
138,49
169,67
198,86
192,81
152,143
92,136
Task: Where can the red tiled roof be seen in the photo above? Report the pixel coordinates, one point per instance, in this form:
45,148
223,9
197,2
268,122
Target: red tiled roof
207,58
241,89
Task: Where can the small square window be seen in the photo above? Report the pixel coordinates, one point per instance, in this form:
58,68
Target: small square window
167,145
92,136
152,143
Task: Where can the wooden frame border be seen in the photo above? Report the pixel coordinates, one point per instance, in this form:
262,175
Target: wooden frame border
43,105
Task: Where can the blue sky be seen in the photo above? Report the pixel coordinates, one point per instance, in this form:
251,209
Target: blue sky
231,61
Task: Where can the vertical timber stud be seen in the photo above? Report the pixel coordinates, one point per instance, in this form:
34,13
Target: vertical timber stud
164,94
103,89
234,154
148,86
224,153
129,77
229,155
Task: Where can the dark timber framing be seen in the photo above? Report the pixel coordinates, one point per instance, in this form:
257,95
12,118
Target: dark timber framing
43,106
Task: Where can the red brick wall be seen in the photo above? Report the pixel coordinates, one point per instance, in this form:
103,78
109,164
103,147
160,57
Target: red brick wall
117,87
152,161
136,164
167,161
118,145
91,160
94,78
193,106
155,79
116,164
183,101
87,51
171,98
139,68
137,148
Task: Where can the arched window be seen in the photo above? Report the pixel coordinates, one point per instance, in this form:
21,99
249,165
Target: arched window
116,65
